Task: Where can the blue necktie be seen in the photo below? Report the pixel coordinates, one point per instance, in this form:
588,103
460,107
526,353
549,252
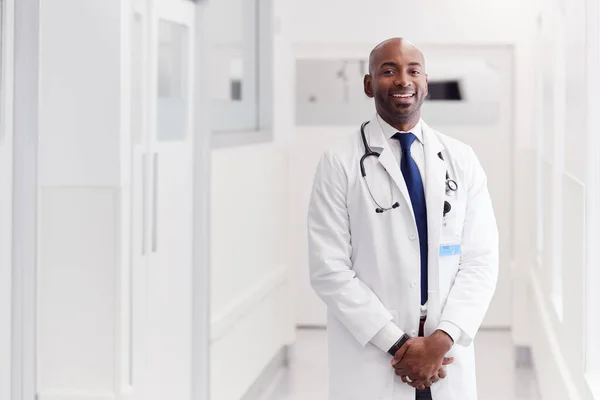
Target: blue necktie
414,183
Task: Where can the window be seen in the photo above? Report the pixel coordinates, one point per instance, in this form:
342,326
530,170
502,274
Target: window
239,68
172,108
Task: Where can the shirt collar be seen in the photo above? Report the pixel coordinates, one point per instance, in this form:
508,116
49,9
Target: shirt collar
390,131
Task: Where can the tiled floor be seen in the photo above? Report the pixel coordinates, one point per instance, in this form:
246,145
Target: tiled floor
498,379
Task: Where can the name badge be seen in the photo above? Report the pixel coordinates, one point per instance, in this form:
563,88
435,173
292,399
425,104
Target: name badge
449,250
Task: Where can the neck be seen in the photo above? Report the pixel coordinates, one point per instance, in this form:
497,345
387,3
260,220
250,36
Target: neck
403,125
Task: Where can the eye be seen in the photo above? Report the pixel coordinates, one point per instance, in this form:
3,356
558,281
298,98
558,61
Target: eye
415,72
388,72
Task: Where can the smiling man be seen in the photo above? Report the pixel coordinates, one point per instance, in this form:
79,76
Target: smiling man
403,246
397,103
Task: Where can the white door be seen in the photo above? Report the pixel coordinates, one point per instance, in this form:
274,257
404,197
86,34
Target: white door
162,54
133,358
171,146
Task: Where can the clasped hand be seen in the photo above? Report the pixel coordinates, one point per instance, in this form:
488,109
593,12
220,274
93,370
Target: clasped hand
423,360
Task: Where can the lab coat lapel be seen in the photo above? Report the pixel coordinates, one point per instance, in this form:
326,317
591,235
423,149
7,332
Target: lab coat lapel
379,143
435,177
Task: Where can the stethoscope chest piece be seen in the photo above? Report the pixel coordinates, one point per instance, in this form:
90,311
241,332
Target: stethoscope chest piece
451,186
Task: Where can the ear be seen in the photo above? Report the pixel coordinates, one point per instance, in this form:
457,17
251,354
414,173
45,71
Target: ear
426,85
368,86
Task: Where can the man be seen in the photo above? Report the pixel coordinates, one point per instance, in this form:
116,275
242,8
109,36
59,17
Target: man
403,246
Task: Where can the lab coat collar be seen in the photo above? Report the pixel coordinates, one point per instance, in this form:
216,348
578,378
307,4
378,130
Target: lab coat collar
389,131
377,137
435,169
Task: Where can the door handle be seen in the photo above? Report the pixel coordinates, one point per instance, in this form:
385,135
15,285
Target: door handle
155,203
144,205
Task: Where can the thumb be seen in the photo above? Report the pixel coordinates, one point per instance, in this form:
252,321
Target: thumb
399,355
448,360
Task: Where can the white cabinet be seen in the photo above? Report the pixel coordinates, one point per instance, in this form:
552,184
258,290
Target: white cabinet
157,301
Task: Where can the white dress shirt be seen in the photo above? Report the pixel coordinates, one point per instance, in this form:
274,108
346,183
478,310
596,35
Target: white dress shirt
390,334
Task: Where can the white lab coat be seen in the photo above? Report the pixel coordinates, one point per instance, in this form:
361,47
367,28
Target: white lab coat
365,266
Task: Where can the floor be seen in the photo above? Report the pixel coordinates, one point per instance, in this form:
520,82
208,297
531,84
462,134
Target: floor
498,379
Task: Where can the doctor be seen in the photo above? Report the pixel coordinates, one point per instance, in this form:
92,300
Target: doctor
403,246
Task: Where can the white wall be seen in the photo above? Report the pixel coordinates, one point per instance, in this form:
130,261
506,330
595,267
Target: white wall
466,22
5,264
566,108
251,286
6,144
79,199
6,194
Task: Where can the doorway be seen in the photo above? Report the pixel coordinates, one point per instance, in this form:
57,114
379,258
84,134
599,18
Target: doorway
165,311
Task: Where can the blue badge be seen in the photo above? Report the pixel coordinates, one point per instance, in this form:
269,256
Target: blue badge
449,250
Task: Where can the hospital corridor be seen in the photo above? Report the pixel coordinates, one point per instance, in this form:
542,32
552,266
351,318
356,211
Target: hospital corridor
299,200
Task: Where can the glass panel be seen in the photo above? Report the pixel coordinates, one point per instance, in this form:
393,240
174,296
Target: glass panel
230,54
234,63
172,107
137,78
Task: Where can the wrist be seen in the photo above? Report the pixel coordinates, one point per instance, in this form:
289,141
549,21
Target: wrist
442,340
399,343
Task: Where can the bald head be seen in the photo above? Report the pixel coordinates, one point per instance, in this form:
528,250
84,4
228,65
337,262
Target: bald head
397,81
391,46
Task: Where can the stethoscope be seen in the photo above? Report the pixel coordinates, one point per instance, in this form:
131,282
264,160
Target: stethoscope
451,185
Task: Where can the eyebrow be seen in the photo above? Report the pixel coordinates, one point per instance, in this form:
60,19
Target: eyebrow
393,64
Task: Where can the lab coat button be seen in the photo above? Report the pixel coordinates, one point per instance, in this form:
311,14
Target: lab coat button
413,284
413,237
413,334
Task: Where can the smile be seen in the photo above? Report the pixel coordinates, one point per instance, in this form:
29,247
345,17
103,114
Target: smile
403,96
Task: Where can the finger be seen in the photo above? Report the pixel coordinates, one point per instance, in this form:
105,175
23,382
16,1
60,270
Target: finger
426,384
400,354
442,373
401,371
448,360
419,384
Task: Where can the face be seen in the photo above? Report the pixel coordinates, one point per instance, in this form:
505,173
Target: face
398,82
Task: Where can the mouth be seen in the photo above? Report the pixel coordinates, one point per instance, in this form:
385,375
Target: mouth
403,98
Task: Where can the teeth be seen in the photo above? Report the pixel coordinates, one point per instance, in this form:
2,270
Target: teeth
403,95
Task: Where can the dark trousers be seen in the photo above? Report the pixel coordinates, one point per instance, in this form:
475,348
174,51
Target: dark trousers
426,393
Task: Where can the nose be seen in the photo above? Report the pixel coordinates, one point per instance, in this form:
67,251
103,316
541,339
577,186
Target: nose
403,80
